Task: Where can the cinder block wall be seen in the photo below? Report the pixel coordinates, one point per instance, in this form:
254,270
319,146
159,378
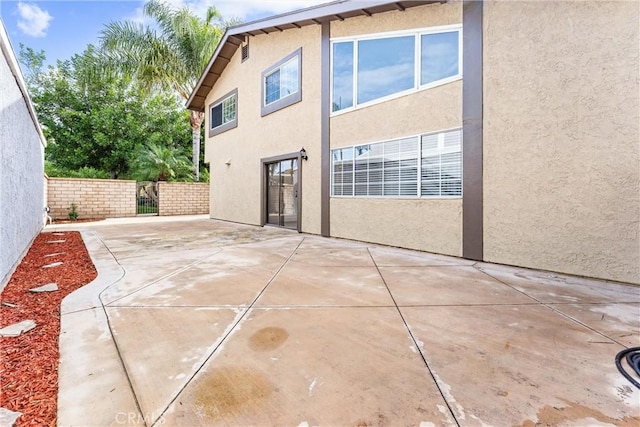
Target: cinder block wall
94,198
183,198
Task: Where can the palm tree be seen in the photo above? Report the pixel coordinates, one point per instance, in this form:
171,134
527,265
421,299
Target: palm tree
172,57
161,163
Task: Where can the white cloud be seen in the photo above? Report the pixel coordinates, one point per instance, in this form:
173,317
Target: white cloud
249,9
32,20
244,9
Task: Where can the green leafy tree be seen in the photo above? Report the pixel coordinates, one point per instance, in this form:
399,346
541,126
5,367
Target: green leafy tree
96,121
173,57
161,163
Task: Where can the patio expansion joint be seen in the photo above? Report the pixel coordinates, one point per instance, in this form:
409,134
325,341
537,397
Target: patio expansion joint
229,331
551,307
153,282
106,316
415,342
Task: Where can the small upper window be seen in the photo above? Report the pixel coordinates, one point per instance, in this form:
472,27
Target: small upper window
223,113
282,83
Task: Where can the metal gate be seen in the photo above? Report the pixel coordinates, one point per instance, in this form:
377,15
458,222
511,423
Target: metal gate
147,198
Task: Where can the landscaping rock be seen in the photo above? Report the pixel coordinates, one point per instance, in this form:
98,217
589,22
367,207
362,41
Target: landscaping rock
53,264
7,417
55,254
49,287
17,329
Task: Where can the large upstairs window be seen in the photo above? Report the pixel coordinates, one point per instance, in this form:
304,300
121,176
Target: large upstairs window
374,68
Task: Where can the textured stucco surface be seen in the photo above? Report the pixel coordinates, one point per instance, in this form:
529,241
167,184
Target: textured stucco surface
432,226
415,17
21,168
424,224
236,188
561,137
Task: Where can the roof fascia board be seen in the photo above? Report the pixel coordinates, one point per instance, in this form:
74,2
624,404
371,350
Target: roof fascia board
309,14
221,44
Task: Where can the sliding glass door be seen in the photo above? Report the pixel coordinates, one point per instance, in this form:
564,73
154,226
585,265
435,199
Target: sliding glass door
282,193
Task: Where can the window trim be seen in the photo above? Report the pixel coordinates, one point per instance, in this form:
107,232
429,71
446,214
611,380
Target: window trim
225,126
417,87
419,195
287,100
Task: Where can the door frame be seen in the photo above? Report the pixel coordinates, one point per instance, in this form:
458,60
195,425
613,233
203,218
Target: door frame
265,182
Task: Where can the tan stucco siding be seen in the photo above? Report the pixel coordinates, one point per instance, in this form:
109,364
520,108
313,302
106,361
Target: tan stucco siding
432,226
424,224
415,17
236,189
561,137
435,109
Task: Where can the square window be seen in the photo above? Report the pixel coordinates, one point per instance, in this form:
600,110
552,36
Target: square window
281,83
223,113
385,66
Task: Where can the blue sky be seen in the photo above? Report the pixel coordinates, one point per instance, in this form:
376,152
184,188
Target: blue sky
63,28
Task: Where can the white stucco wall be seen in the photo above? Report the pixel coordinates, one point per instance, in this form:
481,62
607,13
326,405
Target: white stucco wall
21,165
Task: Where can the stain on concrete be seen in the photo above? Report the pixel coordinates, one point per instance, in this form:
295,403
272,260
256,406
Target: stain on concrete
231,391
267,339
378,421
553,415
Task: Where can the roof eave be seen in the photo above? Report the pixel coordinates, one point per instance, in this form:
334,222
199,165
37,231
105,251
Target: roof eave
312,15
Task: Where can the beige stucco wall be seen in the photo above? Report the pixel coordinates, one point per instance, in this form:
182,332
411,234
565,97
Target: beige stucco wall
561,137
425,224
408,223
415,17
236,189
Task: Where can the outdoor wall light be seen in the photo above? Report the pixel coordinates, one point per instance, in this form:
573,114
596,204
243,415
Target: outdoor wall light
303,154
228,162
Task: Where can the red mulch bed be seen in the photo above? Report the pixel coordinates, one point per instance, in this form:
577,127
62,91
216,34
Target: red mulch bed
29,363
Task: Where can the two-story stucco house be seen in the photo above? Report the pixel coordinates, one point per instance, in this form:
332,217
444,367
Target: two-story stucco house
499,131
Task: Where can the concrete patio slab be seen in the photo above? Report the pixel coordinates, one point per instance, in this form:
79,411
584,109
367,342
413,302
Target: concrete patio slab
552,287
325,253
448,285
301,284
348,366
93,386
140,272
618,321
200,286
194,321
162,348
522,365
396,257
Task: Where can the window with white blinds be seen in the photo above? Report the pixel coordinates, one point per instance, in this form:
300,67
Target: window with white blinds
427,165
441,171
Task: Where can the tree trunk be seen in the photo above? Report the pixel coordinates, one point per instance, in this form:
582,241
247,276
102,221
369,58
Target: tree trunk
196,121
